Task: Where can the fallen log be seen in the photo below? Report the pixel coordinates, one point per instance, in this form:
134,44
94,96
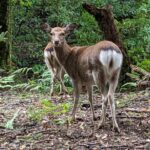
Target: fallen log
140,71
143,84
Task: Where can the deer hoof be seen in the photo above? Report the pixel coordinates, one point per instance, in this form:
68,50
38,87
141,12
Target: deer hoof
116,129
73,119
94,118
101,124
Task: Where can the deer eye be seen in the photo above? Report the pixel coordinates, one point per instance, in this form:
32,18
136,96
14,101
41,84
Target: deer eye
51,34
62,34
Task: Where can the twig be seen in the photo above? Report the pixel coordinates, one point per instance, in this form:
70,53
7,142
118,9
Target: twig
140,70
104,147
141,110
146,98
117,146
43,141
143,84
147,141
133,117
46,131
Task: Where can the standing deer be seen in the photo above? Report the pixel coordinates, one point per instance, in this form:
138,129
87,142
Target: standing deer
98,64
57,71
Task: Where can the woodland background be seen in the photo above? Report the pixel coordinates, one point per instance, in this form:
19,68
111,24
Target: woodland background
30,118
22,41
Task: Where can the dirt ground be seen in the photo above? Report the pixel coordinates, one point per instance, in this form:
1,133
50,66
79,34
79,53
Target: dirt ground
133,116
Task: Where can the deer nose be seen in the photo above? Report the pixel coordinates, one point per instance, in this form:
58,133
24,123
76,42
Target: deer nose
56,42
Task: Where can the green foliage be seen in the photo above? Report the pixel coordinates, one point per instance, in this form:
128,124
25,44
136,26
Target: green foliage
48,108
17,80
22,71
67,81
145,64
89,32
9,124
33,79
7,80
126,100
3,36
137,75
132,19
135,31
129,86
28,40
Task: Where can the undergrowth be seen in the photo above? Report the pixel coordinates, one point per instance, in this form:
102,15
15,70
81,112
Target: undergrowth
33,79
50,110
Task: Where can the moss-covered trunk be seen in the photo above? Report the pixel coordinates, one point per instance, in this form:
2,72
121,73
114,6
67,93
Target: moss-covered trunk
4,52
105,20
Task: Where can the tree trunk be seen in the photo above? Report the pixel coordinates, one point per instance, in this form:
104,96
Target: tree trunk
4,52
105,20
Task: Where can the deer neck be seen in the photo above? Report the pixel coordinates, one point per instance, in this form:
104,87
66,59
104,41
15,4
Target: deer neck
63,53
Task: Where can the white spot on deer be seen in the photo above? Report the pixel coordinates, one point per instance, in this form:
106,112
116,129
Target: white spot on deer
47,54
111,55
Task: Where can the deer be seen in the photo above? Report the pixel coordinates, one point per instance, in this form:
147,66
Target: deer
56,69
98,64
53,65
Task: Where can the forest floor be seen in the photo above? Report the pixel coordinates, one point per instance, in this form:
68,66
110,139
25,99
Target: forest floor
133,116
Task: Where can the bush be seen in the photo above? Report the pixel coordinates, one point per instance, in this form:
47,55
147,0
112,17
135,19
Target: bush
145,64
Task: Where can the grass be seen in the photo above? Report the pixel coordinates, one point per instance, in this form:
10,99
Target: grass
125,101
48,108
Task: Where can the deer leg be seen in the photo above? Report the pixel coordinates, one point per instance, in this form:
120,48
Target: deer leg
112,87
76,98
63,88
99,79
52,76
90,92
60,74
103,115
52,84
59,78
104,105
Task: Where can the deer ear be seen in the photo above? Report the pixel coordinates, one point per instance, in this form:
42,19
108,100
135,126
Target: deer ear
45,27
70,27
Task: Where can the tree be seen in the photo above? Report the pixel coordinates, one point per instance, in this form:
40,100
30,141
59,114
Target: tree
105,20
4,53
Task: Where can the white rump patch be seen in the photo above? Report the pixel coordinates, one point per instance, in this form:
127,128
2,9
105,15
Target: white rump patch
111,55
47,54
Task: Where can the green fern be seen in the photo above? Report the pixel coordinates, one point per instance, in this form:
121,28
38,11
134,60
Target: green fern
3,36
9,124
12,81
40,80
48,107
128,86
22,71
7,80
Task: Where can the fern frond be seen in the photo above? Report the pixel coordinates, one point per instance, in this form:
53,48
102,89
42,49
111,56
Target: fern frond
3,36
22,70
6,80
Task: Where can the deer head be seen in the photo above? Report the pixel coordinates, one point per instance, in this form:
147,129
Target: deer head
58,34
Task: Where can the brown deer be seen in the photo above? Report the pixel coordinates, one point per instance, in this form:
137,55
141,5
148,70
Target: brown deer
56,69
98,64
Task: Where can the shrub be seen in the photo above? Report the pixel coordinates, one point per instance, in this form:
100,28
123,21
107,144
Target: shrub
145,64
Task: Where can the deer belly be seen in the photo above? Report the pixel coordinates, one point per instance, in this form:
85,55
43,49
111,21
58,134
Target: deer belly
86,76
